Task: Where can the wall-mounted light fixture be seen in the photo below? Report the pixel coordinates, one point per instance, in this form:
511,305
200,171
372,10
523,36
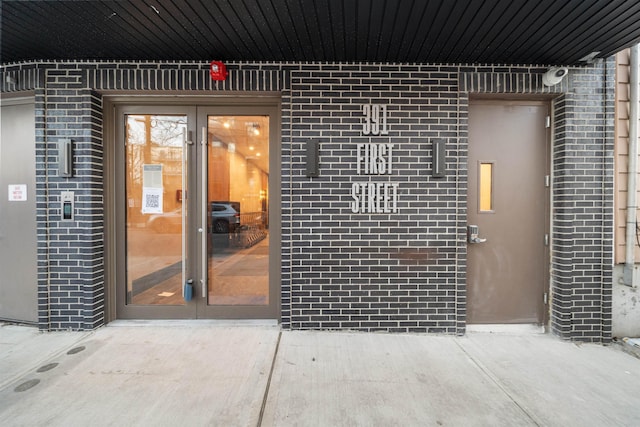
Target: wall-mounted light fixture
312,158
438,162
65,158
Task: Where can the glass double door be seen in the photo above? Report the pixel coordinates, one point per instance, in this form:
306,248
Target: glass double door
198,240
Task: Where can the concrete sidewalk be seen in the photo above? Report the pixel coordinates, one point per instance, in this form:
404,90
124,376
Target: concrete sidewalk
212,374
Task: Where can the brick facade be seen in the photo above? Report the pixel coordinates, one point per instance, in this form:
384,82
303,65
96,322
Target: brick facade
402,271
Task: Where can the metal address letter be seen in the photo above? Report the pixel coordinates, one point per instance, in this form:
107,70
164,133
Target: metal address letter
375,119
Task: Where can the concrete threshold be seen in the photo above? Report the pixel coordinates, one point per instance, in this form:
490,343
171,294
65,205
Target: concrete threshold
515,329
194,323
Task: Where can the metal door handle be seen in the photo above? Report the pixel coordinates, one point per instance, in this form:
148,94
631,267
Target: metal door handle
476,240
184,188
472,234
204,260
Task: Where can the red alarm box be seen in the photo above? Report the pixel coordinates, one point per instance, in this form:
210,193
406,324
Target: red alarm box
218,71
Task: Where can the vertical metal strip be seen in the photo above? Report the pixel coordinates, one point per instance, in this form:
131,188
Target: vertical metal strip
185,151
204,232
629,275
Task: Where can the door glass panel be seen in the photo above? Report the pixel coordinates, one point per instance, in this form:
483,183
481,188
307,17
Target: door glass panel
486,187
154,168
237,207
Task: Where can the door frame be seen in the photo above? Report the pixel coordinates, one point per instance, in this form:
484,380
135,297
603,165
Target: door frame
507,99
114,107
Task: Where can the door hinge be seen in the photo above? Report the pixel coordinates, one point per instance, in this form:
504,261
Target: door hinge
546,240
547,181
547,122
546,298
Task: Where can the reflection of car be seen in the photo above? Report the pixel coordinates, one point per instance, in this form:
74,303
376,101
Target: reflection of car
224,216
168,222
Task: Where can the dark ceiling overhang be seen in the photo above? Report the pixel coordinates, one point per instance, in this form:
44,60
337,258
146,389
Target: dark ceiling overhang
397,31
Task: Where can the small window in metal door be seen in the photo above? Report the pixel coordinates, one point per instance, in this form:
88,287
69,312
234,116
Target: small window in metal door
485,187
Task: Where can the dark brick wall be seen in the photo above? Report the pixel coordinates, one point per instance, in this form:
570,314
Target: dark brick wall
365,271
582,214
71,284
402,271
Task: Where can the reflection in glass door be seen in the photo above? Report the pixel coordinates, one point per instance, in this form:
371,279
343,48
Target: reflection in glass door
193,187
155,215
236,190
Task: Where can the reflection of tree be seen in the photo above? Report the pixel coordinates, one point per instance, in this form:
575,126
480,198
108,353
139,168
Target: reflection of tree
167,131
157,130
136,142
152,139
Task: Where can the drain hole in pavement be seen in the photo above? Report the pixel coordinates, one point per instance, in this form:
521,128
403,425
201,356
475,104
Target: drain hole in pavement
26,385
76,350
47,367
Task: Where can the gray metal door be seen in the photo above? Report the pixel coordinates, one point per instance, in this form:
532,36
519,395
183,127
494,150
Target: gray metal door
18,244
507,274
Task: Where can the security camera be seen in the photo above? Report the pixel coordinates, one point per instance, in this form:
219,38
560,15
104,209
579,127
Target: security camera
554,76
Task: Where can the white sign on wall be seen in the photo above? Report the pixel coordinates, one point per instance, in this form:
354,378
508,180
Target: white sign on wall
17,192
